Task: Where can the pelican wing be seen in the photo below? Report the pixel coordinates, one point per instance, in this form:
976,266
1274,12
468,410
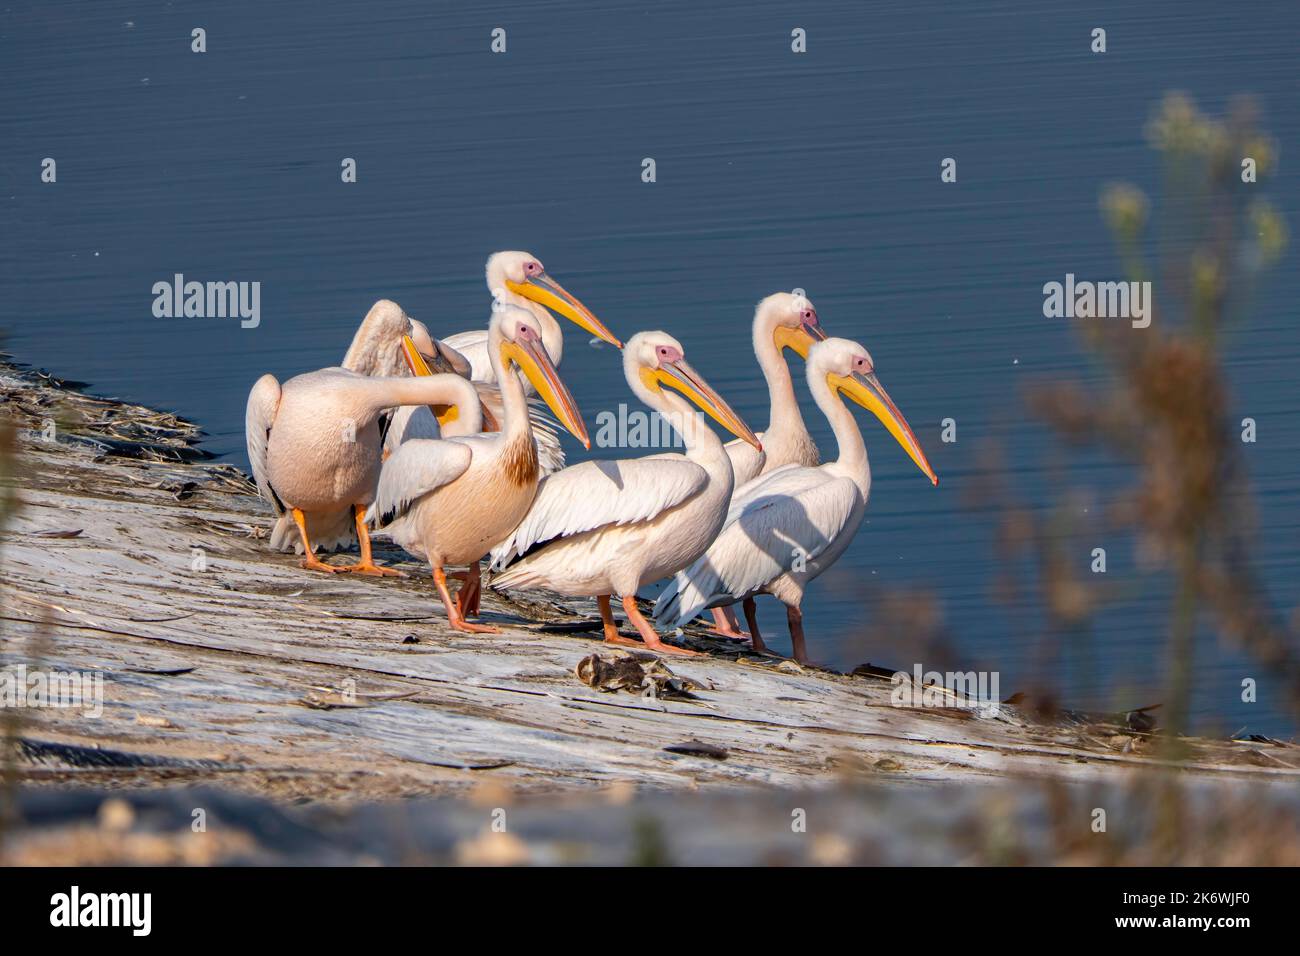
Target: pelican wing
598,494
473,346
259,416
788,516
417,467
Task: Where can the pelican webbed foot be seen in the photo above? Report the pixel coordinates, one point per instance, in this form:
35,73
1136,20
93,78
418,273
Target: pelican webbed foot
310,562
367,564
647,632
313,563
726,625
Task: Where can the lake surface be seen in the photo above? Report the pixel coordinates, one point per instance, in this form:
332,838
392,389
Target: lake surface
774,171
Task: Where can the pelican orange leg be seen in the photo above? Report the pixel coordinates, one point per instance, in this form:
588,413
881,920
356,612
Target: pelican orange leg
366,565
310,561
637,619
467,598
454,616
725,623
751,615
794,617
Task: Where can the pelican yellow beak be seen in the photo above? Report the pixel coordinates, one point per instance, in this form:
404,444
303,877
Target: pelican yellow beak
546,291
801,338
680,376
867,391
533,361
415,361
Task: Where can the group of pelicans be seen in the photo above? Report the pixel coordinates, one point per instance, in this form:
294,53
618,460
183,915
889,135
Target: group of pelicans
438,444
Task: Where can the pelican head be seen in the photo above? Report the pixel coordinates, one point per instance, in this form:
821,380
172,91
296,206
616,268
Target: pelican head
516,335
656,359
848,369
440,356
791,321
521,275
418,359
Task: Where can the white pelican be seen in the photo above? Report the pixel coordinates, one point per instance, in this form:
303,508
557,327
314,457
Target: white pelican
786,527
315,444
781,321
609,527
518,278
450,501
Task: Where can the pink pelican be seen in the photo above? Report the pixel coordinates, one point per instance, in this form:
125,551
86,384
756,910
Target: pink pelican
609,527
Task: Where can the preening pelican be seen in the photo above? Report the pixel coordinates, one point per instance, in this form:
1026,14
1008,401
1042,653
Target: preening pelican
449,501
519,279
468,416
786,527
781,321
609,527
376,349
314,444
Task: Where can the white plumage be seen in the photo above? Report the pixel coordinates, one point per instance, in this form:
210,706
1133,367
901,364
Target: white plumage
598,494
519,279
788,518
449,501
609,527
781,321
315,450
786,527
417,467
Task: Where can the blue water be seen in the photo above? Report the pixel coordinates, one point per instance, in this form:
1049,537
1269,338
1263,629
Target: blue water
774,170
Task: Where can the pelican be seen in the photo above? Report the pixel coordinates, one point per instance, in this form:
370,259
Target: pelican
788,526
315,446
519,279
449,501
610,527
781,321
376,349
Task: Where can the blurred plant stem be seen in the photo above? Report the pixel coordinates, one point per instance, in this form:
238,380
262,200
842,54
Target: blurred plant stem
1163,407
